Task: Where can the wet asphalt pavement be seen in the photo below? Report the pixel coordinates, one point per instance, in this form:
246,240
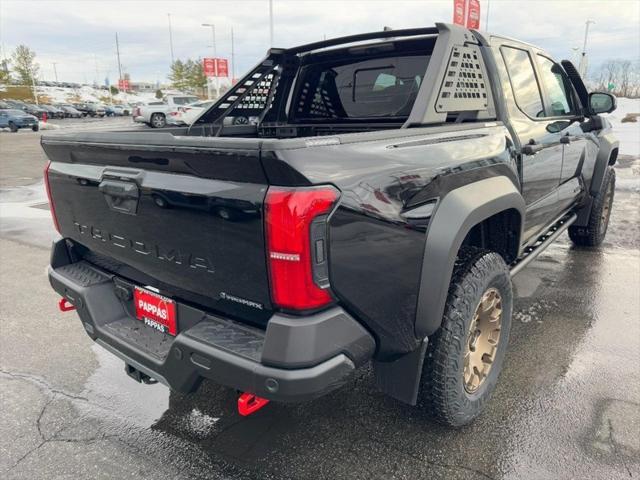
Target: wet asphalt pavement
567,404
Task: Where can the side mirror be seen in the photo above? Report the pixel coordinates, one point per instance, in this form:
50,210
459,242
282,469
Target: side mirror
601,102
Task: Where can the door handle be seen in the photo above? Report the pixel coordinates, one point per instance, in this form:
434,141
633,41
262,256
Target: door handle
121,196
119,189
532,147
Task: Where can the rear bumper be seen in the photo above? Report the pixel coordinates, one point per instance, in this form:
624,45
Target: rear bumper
295,359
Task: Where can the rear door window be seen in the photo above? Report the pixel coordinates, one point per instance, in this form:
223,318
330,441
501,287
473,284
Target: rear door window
523,81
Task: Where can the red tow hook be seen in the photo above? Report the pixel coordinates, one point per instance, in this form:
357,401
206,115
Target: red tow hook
249,403
65,306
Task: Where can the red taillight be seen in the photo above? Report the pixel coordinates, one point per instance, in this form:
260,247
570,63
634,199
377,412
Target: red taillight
296,255
48,188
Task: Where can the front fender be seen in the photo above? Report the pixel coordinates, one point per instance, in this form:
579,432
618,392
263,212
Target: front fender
459,211
608,143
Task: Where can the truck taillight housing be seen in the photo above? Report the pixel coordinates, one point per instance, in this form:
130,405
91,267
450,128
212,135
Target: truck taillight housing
48,188
296,230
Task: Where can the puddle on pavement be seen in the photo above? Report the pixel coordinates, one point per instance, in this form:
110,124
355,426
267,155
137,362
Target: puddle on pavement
111,388
617,428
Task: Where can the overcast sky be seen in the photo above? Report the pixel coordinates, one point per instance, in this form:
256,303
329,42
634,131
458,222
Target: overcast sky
80,35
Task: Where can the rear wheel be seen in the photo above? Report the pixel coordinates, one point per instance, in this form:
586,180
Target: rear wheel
465,356
158,120
35,128
160,201
12,127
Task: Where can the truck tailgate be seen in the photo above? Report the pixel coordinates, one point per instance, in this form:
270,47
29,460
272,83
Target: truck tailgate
181,214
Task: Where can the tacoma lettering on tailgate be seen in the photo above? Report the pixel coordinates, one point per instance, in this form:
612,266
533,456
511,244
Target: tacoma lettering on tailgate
153,250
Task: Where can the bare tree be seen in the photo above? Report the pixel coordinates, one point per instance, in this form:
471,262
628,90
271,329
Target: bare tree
624,72
622,76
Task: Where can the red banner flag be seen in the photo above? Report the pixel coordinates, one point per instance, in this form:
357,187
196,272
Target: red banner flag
467,13
215,67
222,67
473,14
459,10
209,67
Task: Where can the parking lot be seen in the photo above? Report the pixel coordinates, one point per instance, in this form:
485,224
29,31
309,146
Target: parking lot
567,405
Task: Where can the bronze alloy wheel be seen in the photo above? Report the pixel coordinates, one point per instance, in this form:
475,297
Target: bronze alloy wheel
482,340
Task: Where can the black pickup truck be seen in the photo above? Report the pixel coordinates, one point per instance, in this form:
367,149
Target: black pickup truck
365,199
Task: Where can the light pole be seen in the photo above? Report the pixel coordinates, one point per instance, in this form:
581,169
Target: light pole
233,58
583,60
170,38
486,19
118,55
55,72
271,23
215,56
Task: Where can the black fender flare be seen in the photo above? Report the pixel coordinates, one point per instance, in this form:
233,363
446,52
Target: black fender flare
457,212
608,143
604,159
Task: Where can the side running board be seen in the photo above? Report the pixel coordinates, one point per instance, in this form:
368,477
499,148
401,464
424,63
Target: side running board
542,243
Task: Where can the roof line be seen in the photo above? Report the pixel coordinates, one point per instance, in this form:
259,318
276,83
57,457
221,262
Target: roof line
408,32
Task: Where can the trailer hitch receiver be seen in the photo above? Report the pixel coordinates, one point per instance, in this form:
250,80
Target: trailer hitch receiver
249,403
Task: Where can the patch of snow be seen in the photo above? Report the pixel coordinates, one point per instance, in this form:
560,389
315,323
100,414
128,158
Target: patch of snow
90,94
48,126
629,132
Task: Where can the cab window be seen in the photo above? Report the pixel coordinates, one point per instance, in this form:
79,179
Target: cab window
523,81
558,88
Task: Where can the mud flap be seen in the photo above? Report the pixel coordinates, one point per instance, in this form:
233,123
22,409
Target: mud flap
400,379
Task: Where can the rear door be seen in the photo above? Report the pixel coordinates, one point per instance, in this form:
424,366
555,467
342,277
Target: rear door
541,147
180,214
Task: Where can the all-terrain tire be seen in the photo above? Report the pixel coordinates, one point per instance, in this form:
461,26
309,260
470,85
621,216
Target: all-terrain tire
593,234
443,391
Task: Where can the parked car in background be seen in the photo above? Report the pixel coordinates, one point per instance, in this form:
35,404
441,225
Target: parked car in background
15,119
116,110
91,109
81,107
35,110
53,112
189,113
96,110
155,113
15,104
69,110
49,111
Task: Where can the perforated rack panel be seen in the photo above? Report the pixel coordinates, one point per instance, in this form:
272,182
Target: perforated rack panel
257,97
464,85
320,106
